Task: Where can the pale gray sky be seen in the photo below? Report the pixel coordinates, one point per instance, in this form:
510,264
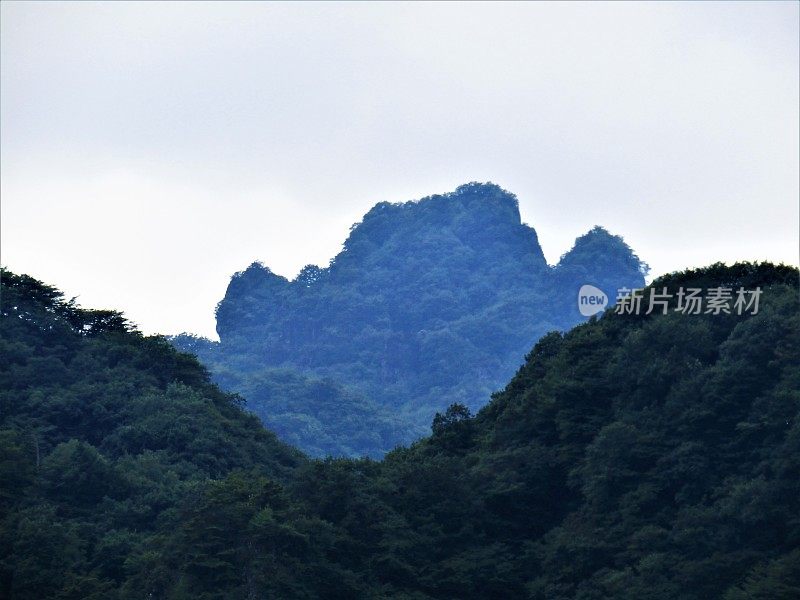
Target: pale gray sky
150,150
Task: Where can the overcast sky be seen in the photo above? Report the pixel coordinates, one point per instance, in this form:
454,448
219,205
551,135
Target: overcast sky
151,150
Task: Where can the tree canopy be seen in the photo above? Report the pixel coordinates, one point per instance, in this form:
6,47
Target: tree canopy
633,456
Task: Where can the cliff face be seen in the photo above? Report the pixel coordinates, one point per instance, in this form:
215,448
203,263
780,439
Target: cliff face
429,302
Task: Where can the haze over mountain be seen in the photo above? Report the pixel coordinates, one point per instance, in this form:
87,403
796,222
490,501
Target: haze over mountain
429,302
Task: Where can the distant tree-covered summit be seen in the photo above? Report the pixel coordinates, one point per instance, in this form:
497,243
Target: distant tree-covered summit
430,302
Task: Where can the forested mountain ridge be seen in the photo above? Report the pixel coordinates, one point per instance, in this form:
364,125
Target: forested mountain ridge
430,302
103,432
634,457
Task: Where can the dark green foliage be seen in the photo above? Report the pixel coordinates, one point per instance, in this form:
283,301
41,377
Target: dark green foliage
451,419
429,303
633,457
102,431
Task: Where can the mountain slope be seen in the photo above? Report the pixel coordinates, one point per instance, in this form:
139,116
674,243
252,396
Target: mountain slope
635,457
103,432
430,302
632,457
